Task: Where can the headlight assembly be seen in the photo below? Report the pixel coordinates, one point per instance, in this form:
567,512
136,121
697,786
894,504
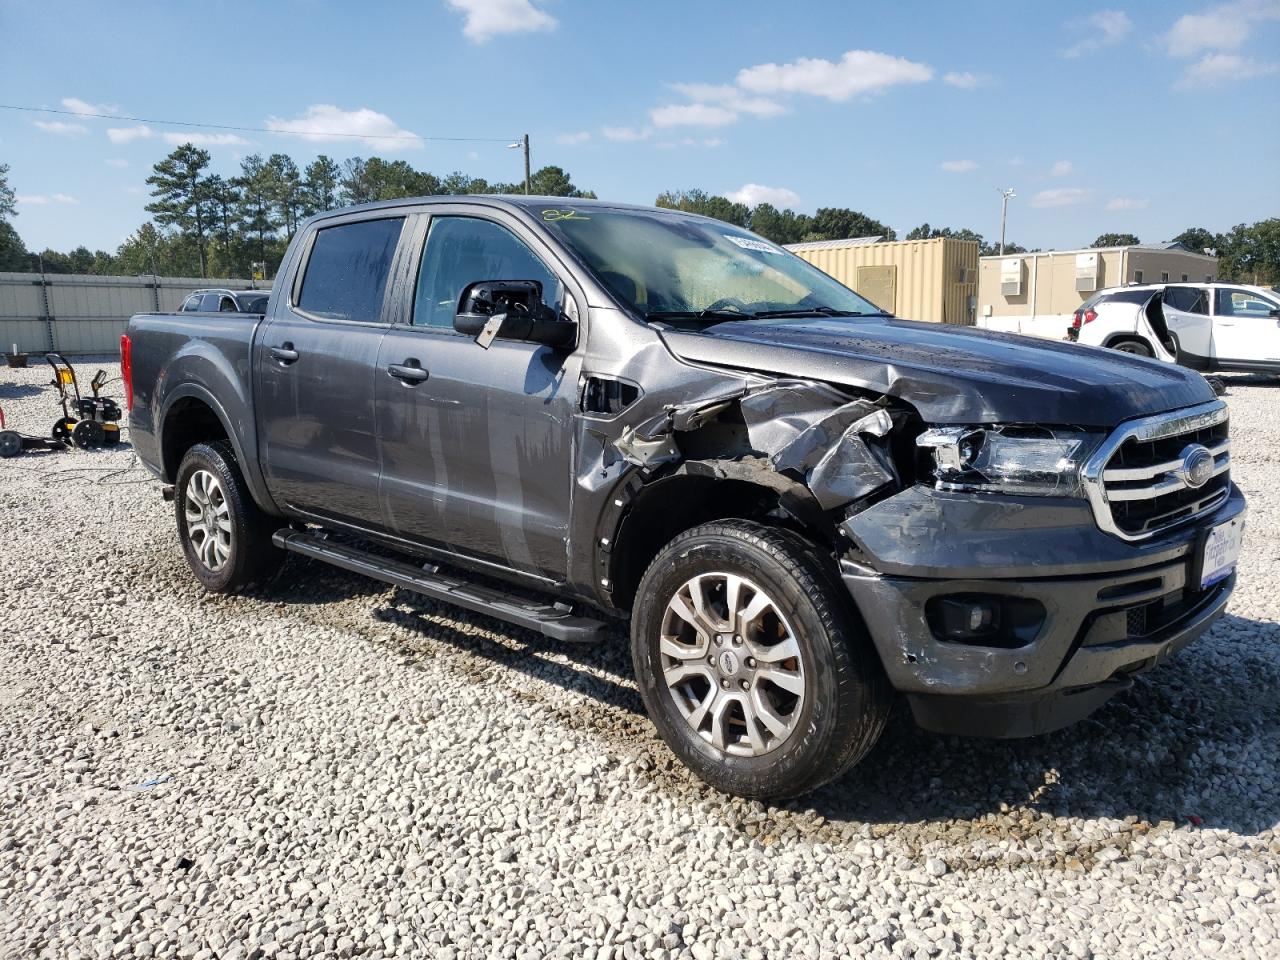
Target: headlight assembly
1027,461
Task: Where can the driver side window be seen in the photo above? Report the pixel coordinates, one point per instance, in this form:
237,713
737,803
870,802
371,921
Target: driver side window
1243,303
463,250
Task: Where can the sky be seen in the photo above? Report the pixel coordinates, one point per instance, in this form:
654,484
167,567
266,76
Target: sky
1143,117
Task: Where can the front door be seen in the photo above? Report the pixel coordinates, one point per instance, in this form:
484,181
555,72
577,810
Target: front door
1186,314
1245,327
316,365
476,449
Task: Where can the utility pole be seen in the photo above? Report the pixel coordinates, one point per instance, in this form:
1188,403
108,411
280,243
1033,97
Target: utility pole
1006,194
523,143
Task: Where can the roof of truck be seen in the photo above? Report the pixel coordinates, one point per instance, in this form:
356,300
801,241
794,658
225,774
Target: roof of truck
505,200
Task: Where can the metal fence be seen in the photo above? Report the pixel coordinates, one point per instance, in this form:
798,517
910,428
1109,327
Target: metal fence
79,314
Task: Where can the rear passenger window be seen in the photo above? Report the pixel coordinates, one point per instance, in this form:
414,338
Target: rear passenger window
192,304
346,276
209,303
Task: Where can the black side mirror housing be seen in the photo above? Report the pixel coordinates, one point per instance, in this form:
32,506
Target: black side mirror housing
511,310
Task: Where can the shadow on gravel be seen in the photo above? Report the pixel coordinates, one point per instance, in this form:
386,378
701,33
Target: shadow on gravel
19,391
1195,741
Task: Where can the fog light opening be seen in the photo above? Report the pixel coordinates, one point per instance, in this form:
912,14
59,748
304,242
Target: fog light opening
985,620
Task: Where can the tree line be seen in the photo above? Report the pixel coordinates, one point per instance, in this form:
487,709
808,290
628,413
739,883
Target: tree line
204,224
207,225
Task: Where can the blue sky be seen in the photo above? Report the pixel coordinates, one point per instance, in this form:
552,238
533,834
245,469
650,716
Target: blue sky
1142,117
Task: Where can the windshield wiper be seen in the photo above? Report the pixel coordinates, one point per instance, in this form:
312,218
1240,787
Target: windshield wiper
700,315
812,311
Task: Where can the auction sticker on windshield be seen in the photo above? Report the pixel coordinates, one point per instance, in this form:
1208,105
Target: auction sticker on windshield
747,243
1221,550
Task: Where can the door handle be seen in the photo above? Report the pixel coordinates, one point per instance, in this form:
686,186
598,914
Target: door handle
409,372
285,353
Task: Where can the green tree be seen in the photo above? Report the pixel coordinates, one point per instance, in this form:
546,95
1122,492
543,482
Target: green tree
257,206
926,232
8,199
1250,253
780,226
841,223
182,198
320,186
553,181
1116,240
1198,239
286,186
708,205
224,201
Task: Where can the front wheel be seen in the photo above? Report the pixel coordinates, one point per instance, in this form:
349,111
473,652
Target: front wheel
226,538
752,663
1135,348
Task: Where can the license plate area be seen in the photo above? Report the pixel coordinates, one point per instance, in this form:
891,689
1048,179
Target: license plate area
1221,551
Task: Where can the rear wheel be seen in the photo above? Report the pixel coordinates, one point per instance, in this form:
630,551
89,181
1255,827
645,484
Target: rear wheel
226,538
752,662
1134,347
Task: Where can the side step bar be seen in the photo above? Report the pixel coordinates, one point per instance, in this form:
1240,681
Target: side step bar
555,620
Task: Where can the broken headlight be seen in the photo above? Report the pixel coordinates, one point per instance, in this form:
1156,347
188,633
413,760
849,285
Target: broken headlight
1028,461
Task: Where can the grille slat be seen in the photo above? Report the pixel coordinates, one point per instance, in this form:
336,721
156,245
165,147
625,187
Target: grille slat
1137,484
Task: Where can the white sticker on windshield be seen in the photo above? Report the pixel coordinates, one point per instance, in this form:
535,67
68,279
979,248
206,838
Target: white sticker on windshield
746,243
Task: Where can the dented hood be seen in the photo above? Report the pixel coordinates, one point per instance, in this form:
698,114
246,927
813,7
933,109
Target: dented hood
953,374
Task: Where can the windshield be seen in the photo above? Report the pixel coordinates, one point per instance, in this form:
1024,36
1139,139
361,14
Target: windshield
668,266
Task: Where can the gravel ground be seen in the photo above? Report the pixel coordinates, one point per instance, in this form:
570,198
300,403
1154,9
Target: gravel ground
333,769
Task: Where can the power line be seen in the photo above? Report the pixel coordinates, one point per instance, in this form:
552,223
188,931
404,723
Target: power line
223,126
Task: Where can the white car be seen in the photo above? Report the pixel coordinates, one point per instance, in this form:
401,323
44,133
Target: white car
1205,326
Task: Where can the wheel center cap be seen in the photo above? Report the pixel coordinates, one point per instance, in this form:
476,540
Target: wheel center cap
728,663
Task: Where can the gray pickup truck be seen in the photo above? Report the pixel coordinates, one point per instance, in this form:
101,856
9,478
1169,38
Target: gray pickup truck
562,413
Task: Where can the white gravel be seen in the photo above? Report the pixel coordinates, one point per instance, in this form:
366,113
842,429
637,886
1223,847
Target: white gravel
336,769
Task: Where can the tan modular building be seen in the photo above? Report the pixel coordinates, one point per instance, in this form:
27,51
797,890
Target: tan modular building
914,279
1037,292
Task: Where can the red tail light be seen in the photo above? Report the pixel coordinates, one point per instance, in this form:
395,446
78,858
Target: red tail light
1090,315
126,369
1075,320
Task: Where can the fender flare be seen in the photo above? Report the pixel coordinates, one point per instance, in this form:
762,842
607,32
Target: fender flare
249,467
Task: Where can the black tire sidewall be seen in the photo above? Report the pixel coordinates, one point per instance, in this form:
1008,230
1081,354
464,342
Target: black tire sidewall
1134,349
241,569
809,754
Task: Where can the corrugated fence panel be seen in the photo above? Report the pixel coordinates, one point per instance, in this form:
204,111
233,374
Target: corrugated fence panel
88,312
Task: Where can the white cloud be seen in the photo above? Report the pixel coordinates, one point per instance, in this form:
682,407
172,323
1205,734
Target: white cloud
1104,28
1221,28
1215,69
965,80
128,134
692,115
1060,197
204,139
689,142
324,122
40,200
572,139
958,166
752,194
118,162
489,18
857,73
84,108
625,134
731,98
61,129
1061,169
1127,203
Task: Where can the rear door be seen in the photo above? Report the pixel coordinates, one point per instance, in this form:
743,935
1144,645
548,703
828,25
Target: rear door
477,448
316,361
1186,314
1245,328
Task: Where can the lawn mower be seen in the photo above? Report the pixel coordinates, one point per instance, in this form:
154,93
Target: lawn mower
88,422
13,443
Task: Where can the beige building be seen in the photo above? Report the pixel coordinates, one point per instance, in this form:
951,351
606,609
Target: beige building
1037,292
914,279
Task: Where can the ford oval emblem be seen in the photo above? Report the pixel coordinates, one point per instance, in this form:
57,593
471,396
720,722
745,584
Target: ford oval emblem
1197,465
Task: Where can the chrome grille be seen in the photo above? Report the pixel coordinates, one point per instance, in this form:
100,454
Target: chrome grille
1136,480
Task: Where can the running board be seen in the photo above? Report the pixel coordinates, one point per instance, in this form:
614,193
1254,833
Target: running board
555,620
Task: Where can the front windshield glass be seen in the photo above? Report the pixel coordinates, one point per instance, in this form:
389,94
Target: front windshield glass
672,265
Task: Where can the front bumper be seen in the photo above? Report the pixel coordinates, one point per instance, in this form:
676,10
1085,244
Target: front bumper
1111,609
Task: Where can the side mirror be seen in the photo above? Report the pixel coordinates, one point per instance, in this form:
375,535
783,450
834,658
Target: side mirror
512,310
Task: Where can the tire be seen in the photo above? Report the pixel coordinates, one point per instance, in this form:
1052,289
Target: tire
88,435
1134,347
226,538
831,701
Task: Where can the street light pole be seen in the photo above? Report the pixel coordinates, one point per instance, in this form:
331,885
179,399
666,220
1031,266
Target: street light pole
523,142
1006,194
